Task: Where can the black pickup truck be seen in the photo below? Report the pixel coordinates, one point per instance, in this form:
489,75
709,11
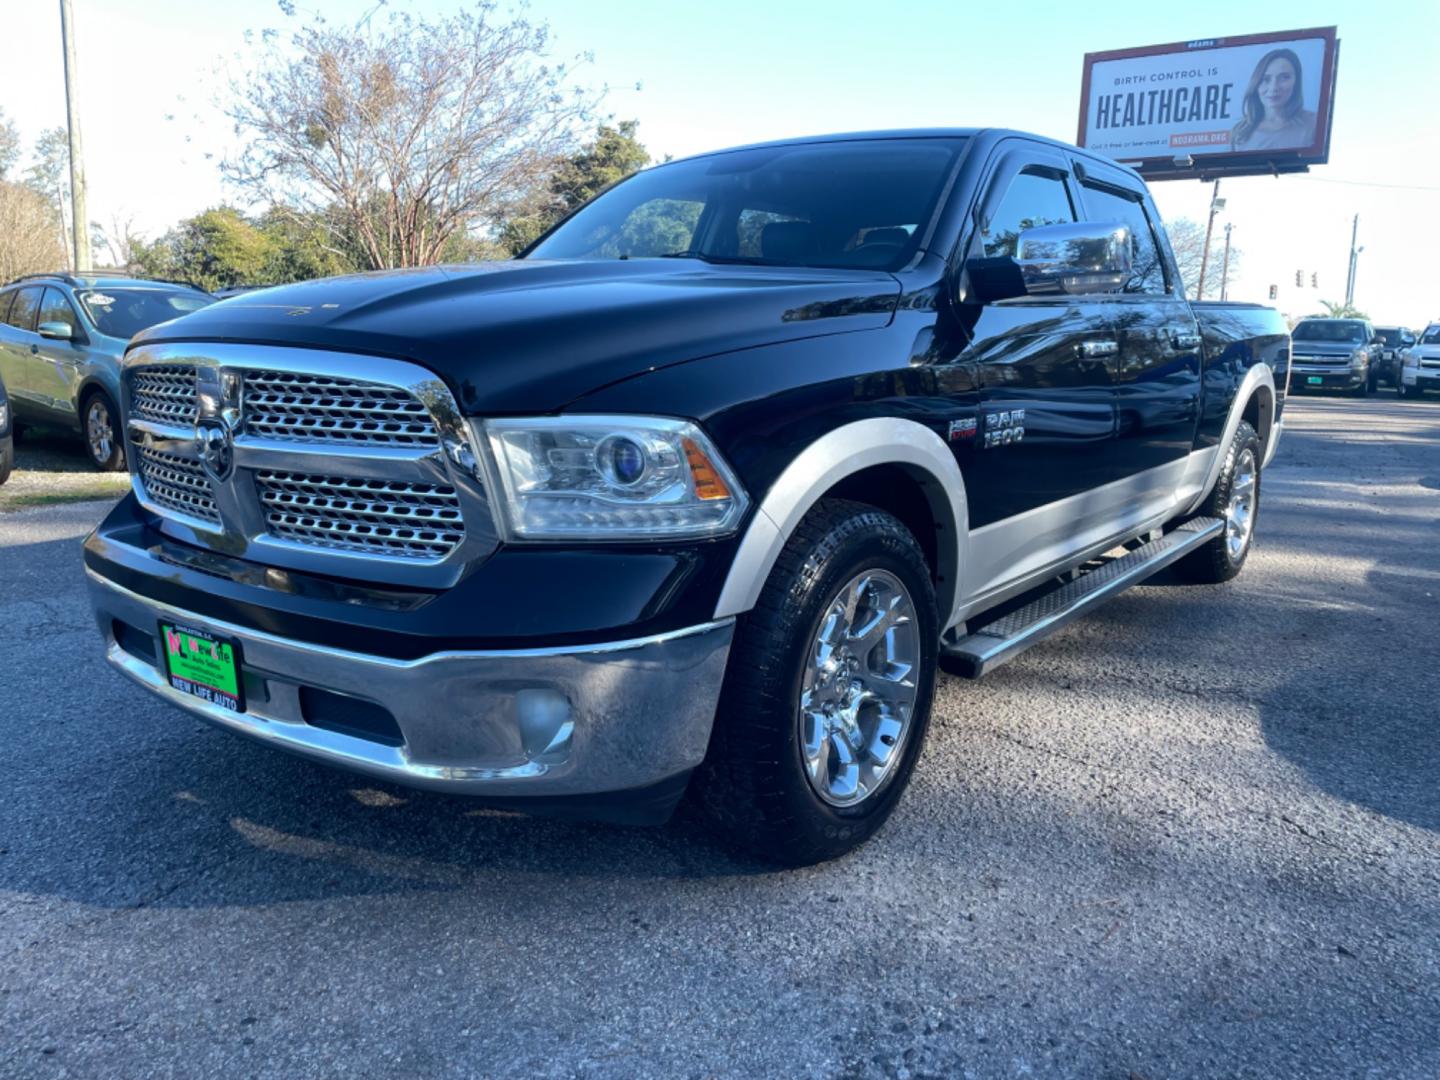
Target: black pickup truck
697,495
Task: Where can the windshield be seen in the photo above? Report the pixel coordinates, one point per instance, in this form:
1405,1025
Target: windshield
1432,336
124,312
845,204
1389,337
1342,330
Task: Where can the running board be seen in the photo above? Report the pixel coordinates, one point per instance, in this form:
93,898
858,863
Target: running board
991,645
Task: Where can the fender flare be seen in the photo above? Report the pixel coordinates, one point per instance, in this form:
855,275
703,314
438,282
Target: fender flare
824,463
1258,376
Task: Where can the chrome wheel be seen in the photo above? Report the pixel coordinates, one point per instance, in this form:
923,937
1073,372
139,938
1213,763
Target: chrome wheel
1240,514
99,432
858,693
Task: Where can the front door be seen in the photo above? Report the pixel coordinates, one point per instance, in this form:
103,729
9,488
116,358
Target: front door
1046,429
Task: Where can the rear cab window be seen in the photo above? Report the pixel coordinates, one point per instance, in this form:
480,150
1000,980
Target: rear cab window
1147,266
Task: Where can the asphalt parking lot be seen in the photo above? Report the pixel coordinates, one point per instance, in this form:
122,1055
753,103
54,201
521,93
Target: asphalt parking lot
1198,834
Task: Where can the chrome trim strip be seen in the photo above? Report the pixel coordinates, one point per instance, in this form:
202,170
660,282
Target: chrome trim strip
506,722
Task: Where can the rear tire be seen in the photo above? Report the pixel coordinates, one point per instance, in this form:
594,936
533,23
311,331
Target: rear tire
1410,391
100,426
1235,499
827,692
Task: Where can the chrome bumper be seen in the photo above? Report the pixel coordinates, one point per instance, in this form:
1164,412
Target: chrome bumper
525,722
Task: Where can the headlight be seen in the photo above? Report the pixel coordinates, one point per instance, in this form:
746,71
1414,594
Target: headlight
4,414
610,478
1411,360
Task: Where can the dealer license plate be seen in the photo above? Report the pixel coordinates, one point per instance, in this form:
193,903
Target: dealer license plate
1315,380
203,665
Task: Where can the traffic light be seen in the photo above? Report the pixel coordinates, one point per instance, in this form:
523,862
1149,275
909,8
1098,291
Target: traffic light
1314,281
1274,292
1299,279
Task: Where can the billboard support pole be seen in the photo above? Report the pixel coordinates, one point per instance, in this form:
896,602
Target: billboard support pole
1225,267
1205,255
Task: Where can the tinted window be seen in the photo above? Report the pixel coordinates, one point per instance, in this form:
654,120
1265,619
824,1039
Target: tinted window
5,300
1390,336
1147,269
1432,336
820,204
1032,199
1345,331
55,308
124,312
26,306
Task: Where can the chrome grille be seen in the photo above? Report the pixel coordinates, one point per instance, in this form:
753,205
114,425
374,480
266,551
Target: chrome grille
394,518
309,460
176,484
164,395
317,408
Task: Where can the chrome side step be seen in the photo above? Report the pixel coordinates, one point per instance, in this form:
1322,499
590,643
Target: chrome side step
992,644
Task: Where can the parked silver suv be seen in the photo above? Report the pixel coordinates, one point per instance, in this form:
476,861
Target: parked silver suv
61,339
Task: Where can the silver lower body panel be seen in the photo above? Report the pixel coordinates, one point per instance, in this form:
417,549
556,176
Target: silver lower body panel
510,723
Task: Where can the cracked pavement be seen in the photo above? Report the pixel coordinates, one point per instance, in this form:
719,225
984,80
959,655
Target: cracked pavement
1196,834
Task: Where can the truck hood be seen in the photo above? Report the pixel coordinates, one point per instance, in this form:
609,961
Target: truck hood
531,336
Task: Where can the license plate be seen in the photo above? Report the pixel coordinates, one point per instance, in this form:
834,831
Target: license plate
203,665
1315,380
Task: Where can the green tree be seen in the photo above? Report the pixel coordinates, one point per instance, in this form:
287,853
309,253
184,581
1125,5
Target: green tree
614,154
214,249
1336,309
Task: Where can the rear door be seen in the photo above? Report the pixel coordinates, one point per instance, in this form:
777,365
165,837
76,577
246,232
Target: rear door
1156,374
1047,418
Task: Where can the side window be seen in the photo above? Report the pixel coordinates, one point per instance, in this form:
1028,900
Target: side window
23,311
5,300
1147,268
55,308
1033,198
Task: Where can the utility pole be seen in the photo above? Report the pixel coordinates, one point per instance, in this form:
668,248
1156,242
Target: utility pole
1225,266
1216,205
79,219
1350,273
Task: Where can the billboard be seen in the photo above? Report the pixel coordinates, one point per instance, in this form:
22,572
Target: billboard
1260,103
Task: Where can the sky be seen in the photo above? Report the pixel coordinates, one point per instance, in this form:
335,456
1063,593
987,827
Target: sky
153,73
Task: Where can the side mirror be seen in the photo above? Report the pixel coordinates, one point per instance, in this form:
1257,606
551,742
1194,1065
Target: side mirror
58,330
1074,260
1055,260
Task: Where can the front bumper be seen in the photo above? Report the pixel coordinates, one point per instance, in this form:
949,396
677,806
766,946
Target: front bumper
1331,376
518,723
1425,378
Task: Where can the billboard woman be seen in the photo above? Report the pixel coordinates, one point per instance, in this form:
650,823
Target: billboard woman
1275,117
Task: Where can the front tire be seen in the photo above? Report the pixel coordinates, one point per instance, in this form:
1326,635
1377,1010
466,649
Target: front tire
827,692
1235,499
100,424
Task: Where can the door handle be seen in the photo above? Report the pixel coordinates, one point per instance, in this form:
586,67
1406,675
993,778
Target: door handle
1184,340
1094,350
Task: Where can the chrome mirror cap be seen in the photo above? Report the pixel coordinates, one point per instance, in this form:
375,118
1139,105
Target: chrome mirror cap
1074,259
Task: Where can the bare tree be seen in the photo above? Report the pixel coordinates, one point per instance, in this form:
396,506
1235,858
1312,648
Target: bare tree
9,144
29,241
415,131
121,240
1187,239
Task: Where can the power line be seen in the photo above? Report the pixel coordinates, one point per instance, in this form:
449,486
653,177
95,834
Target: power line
1366,183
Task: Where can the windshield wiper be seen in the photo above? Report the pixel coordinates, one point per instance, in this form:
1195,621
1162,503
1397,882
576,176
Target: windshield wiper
736,260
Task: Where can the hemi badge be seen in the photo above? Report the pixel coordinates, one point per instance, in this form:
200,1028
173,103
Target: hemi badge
962,429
